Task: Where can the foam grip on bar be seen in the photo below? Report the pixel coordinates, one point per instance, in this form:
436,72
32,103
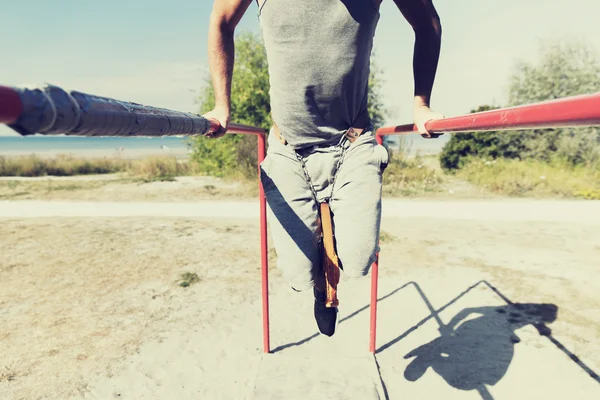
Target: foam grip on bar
51,110
10,105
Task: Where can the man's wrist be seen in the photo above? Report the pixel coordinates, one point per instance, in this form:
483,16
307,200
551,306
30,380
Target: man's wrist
223,107
420,101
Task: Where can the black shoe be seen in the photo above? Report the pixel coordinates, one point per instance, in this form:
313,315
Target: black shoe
325,316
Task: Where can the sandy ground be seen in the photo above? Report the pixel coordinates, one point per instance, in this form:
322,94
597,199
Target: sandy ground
121,188
481,299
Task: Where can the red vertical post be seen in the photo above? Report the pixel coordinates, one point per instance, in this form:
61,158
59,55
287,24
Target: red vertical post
263,247
374,282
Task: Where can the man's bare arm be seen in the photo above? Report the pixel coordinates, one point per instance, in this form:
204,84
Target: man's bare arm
225,16
423,18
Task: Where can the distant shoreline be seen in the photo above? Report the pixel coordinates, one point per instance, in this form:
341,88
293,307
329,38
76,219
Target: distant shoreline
93,147
127,154
48,147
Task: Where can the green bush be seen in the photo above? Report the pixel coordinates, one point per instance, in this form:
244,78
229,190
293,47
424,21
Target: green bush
532,178
235,155
564,70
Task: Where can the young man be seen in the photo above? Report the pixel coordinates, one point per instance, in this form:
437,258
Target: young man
322,145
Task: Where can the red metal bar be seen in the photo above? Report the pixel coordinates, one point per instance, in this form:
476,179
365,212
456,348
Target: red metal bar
11,107
260,136
374,283
571,111
373,319
263,247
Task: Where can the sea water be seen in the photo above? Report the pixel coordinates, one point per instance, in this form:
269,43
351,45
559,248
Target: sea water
22,145
36,144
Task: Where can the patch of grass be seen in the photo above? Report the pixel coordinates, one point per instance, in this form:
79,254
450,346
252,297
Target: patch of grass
13,195
12,184
66,186
588,194
28,188
160,168
386,237
410,176
188,278
7,374
62,165
532,178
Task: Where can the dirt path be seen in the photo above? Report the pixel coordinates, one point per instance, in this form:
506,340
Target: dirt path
489,299
482,210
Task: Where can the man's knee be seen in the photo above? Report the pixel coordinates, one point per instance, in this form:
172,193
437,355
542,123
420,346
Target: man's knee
357,265
298,274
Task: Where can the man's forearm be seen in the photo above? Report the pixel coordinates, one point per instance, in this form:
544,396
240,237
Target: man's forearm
221,57
425,62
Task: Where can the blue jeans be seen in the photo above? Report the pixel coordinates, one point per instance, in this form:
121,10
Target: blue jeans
349,177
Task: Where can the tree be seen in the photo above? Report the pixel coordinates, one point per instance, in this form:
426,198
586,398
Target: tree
377,110
236,154
461,146
563,70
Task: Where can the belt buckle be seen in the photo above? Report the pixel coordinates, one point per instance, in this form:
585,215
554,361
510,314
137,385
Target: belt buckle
352,134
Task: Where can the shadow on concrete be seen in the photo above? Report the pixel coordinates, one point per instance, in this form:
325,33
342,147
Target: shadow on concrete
475,352
472,353
352,315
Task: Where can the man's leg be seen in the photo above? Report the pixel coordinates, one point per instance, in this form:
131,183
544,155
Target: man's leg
356,205
293,216
294,223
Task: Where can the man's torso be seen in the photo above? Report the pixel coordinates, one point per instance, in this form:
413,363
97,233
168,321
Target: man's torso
319,55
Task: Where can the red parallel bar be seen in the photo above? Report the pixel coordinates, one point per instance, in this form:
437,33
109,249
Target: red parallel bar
374,283
11,107
373,319
571,111
260,136
263,248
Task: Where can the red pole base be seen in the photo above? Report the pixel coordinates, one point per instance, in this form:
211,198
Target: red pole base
374,281
263,247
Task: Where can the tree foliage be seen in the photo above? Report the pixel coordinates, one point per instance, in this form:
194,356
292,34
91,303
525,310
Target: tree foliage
563,70
377,110
236,154
483,144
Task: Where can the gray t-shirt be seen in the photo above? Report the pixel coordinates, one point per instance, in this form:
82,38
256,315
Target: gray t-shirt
319,55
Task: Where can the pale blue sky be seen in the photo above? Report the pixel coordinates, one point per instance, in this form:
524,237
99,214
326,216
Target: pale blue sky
154,52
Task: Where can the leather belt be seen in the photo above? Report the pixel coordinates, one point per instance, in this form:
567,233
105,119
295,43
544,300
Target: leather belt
351,133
